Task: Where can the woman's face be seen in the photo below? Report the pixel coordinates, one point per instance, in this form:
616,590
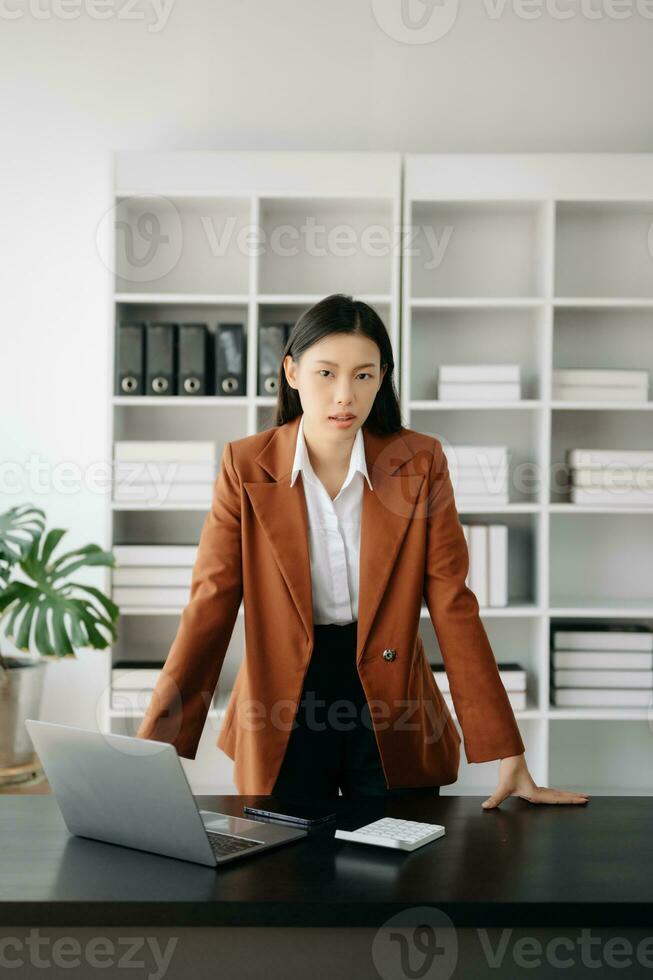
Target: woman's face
338,375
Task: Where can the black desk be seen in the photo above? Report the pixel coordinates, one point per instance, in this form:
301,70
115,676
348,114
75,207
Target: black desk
555,874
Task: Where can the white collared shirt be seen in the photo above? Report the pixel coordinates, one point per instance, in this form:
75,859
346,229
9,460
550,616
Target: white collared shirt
334,533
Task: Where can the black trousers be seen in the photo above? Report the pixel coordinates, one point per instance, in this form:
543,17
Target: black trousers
332,745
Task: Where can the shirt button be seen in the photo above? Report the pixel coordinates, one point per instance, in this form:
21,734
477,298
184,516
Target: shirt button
389,654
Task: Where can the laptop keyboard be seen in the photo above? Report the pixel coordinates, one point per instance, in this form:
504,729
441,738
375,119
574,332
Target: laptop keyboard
224,844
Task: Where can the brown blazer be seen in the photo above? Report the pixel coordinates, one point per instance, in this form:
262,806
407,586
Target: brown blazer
254,545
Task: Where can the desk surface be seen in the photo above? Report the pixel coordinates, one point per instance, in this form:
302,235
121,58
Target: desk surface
518,865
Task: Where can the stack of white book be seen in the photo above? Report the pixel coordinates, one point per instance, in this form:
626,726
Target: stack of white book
479,382
479,475
152,575
611,477
608,385
159,473
487,545
132,683
513,676
604,665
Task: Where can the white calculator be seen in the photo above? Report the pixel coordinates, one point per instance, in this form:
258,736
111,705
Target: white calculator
403,835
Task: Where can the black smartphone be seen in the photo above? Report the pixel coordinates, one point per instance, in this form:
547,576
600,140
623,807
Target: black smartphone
307,813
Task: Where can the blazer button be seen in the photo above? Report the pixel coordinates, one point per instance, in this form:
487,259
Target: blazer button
389,654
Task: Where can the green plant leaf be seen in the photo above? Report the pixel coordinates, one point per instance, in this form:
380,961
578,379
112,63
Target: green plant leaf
18,527
95,638
13,590
41,634
62,641
51,541
24,593
112,609
22,637
51,614
91,555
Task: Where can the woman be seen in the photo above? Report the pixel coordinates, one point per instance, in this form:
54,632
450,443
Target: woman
333,526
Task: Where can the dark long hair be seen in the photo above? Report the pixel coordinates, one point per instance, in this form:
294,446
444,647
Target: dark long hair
342,314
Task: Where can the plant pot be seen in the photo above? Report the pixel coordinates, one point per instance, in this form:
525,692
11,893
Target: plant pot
21,690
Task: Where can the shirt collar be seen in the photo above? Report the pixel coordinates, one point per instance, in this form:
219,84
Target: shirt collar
357,462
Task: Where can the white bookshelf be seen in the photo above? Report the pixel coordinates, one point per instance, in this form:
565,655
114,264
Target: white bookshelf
260,238
547,261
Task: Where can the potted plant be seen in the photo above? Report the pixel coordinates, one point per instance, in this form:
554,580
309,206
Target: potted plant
50,617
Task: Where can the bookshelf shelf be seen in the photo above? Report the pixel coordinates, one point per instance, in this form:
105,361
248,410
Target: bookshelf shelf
502,509
170,508
520,713
604,302
514,609
603,610
600,714
158,611
179,401
151,611
543,261
235,214
435,404
477,302
185,299
293,299
589,509
601,406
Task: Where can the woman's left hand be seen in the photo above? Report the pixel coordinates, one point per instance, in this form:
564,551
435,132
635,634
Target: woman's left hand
516,780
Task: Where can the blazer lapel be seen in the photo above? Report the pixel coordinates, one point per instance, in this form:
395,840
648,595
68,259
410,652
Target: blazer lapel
386,514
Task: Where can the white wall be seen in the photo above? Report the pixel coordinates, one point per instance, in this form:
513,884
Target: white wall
240,74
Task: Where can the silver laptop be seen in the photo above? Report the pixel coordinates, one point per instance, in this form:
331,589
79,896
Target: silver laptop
134,792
